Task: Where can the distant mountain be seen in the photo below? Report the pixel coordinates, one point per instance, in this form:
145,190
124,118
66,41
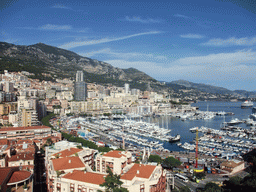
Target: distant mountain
213,89
41,58
203,87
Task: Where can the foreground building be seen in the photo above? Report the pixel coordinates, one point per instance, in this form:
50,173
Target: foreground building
68,170
33,132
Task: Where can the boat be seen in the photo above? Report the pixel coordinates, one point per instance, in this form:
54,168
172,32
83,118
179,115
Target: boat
254,110
193,129
246,104
174,139
234,122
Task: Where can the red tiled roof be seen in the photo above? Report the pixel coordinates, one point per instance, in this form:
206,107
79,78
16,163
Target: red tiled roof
139,170
68,152
19,176
116,154
36,141
4,173
22,156
3,141
23,128
88,177
67,163
27,141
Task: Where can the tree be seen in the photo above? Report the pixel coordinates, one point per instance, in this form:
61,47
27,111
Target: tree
171,162
184,189
212,187
49,141
112,182
233,184
200,175
154,158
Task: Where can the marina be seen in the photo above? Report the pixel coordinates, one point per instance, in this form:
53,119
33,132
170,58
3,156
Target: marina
221,126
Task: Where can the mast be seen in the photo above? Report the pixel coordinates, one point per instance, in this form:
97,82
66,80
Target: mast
123,139
196,147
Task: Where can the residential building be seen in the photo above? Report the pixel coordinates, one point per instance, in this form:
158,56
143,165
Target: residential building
27,117
80,87
12,177
232,166
116,160
142,177
32,132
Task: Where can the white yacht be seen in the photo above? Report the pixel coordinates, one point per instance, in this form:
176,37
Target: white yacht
246,104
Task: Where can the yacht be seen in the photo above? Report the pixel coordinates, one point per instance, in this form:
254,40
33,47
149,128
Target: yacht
234,122
246,104
174,139
193,129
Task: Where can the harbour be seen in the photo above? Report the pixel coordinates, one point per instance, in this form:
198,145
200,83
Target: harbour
220,125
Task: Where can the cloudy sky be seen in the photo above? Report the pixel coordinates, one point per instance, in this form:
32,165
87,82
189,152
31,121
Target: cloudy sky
211,42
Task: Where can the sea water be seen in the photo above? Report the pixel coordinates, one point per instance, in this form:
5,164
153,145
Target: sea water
182,127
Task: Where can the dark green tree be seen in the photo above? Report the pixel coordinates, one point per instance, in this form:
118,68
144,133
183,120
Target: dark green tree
49,142
154,158
233,184
212,187
112,182
171,162
184,189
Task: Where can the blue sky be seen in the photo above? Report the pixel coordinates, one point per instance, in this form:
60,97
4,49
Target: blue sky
211,42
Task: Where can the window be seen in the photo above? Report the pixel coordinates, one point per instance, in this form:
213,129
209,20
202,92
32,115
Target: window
142,187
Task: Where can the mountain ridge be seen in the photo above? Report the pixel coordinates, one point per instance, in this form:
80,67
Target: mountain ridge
42,58
56,61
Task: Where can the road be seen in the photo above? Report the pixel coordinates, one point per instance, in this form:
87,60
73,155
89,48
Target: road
178,183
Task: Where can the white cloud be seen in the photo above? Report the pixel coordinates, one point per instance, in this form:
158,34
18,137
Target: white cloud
182,16
231,42
140,20
105,40
55,27
59,6
131,55
192,36
223,67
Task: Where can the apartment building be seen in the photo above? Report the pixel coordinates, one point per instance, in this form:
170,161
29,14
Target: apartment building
24,160
115,160
27,117
64,157
6,108
33,132
85,154
142,177
79,181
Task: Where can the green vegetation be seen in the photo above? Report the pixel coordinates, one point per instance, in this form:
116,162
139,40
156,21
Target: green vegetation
46,120
184,189
112,182
84,142
212,187
25,186
199,175
170,163
155,158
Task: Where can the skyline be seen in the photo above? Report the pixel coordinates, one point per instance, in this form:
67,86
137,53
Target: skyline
209,42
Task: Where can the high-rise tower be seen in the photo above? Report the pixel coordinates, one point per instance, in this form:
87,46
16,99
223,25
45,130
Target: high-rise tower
80,87
79,76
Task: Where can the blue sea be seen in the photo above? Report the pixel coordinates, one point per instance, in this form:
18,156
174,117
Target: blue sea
182,127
